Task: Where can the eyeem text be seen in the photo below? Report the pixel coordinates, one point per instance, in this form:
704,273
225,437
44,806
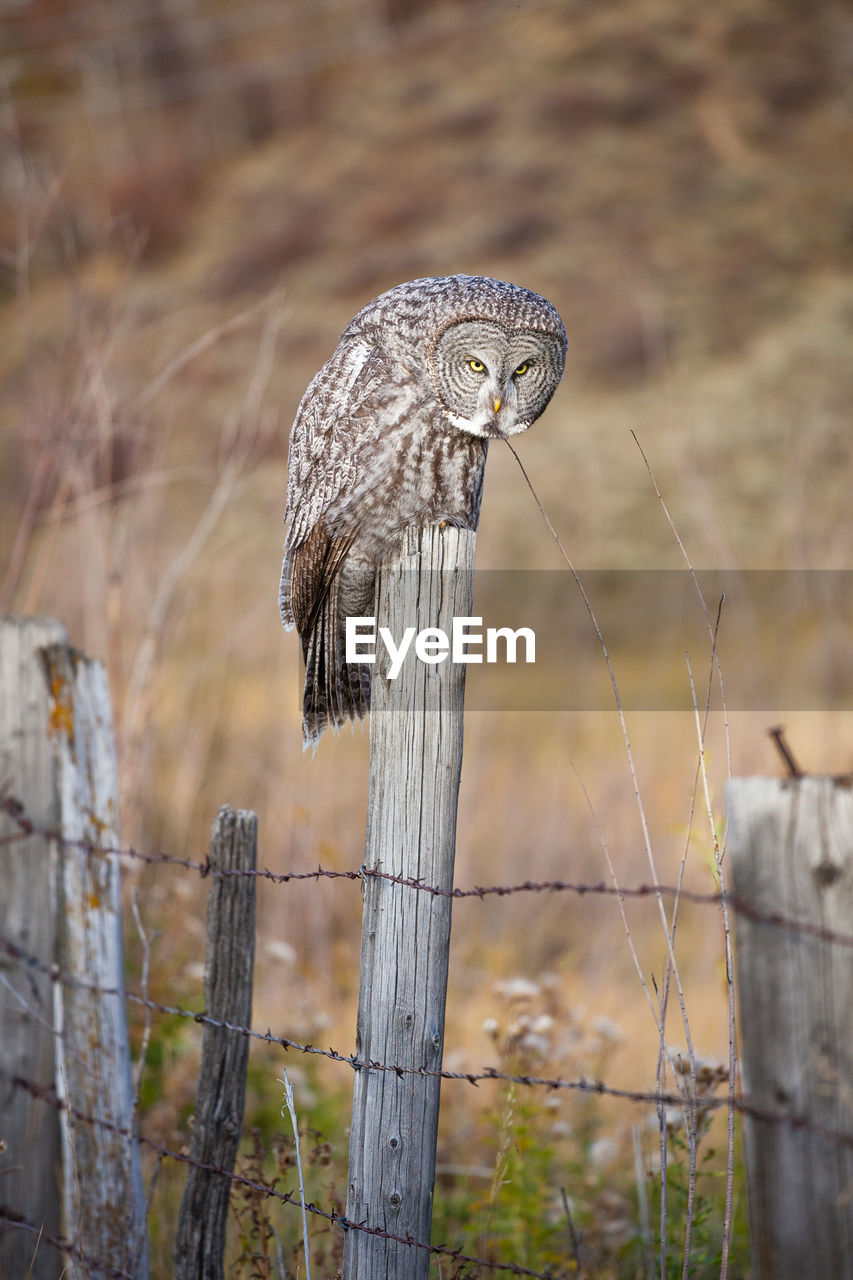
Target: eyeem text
466,643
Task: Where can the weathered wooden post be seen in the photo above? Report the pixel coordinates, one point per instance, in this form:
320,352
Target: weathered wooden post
60,902
791,846
104,1205
29,1164
228,968
415,766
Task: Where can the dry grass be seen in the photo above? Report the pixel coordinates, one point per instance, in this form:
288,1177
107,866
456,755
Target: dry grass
672,183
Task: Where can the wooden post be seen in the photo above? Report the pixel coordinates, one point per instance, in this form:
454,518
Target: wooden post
415,765
791,847
228,967
30,1128
104,1206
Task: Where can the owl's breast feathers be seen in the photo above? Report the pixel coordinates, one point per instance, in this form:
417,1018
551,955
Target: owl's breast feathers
364,466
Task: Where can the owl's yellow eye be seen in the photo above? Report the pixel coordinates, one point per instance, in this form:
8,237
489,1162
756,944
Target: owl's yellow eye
477,366
521,370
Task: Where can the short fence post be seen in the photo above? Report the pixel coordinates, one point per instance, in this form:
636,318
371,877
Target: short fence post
102,1186
228,970
791,848
415,766
29,1184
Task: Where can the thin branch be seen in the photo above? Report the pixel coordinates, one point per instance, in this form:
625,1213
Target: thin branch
647,843
29,1009
620,897
573,1235
139,1066
718,862
713,629
122,489
237,440
291,1108
196,348
705,610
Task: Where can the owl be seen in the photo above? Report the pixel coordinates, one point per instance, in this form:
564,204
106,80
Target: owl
393,431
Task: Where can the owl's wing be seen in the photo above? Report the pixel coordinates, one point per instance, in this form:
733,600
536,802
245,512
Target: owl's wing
326,442
306,580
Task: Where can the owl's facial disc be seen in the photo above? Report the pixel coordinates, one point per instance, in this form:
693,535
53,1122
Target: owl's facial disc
493,383
498,409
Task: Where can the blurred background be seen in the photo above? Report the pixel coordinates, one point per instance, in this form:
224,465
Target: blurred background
196,198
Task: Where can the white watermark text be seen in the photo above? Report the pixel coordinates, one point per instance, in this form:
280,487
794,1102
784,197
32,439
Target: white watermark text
466,643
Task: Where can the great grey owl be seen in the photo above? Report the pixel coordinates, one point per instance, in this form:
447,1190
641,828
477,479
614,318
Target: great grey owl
393,431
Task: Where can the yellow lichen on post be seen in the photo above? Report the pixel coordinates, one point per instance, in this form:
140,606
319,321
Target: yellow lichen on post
61,706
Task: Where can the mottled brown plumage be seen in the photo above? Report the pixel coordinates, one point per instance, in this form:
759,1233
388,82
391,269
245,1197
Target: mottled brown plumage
392,432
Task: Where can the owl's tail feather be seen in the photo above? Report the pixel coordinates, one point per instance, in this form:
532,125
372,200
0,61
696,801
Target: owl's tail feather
335,690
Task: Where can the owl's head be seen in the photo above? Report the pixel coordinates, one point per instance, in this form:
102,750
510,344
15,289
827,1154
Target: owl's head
493,352
494,381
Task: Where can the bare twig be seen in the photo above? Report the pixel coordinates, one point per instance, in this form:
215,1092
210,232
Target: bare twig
24,530
647,842
713,630
31,1011
237,440
196,348
35,1252
139,1067
718,863
620,897
711,625
291,1108
67,510
152,1184
573,1235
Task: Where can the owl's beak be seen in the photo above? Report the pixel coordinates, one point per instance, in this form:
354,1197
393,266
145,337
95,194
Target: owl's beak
497,402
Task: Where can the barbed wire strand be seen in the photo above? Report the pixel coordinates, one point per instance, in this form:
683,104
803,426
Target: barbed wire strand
89,1264
26,828
46,1093
284,1042
775,919
584,1085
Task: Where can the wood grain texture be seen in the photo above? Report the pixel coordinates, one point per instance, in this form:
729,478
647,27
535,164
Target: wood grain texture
791,848
228,972
104,1205
415,767
27,917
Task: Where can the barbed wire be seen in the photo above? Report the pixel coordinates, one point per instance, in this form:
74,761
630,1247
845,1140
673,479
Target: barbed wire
15,809
48,1094
656,1098
94,1265
17,952
659,1099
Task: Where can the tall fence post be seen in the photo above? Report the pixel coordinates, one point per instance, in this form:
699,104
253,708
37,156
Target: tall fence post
228,967
415,766
29,1185
791,848
104,1205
